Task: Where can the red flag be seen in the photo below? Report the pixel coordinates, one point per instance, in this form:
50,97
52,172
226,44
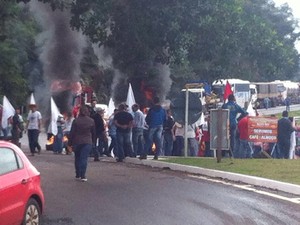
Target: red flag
227,91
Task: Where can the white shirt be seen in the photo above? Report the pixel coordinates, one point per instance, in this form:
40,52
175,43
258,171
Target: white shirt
33,120
138,119
68,124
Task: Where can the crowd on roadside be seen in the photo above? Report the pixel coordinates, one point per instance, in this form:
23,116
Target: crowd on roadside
241,147
131,132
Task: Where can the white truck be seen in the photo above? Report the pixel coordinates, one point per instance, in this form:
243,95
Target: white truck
240,89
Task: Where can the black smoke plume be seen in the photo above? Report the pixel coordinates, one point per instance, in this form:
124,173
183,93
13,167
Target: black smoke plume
60,52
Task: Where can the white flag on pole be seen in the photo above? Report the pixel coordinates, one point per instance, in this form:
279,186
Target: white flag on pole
250,110
111,107
7,111
54,116
130,98
32,100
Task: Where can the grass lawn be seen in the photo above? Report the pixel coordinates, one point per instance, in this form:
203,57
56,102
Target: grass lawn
276,169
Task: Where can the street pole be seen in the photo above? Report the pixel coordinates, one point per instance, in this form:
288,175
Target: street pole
219,135
186,121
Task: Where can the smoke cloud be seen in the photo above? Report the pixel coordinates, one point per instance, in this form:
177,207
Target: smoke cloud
61,51
148,79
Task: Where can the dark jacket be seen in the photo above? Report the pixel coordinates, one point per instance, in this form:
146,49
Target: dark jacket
234,110
284,129
156,116
99,124
123,118
168,124
82,131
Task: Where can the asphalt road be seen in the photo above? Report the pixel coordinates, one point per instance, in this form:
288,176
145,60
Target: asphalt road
278,109
124,193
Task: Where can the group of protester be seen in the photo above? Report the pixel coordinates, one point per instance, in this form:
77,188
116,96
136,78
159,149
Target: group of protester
133,133
240,147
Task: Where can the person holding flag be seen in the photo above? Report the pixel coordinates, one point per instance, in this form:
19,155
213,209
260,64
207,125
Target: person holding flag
227,91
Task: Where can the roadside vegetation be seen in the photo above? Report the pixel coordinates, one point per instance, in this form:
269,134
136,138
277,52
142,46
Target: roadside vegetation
276,169
183,41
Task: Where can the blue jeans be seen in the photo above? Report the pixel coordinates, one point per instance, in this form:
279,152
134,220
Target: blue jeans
154,135
233,141
98,149
167,143
208,152
113,144
178,146
81,159
138,141
58,141
244,150
193,147
33,136
124,144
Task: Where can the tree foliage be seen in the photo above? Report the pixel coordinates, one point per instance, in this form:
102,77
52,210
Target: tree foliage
17,30
212,38
198,39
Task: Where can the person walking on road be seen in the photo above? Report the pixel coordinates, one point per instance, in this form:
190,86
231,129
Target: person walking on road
123,121
33,127
82,138
112,132
155,119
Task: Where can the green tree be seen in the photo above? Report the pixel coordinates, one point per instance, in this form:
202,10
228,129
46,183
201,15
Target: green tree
198,39
208,39
16,50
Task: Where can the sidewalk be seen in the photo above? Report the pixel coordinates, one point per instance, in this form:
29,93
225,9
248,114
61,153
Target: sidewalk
256,181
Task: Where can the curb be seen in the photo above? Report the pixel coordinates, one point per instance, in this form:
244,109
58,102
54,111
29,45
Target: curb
252,180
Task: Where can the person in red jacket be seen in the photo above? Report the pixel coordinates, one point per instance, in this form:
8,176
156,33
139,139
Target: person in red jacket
206,136
244,148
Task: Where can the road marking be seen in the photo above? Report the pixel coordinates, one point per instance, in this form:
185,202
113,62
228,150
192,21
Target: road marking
249,188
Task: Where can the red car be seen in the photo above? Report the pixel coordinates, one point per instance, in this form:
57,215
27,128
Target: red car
21,195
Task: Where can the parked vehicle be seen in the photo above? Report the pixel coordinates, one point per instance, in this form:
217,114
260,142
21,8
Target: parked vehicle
276,92
21,195
240,89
